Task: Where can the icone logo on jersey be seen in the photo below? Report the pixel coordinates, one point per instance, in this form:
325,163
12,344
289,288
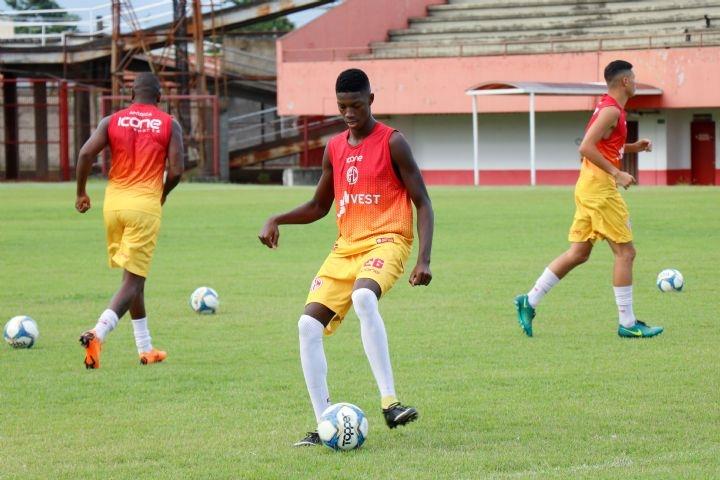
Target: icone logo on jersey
140,124
354,158
352,175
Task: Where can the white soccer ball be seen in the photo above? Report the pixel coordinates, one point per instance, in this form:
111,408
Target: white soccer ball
343,426
670,280
204,300
21,332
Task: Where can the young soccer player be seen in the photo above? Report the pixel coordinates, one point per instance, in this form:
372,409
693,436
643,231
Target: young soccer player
601,213
142,138
370,172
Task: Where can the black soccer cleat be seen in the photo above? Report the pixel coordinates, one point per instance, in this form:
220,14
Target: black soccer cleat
397,414
310,440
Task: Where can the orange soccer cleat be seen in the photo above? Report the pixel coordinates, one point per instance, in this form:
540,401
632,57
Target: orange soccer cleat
153,356
92,346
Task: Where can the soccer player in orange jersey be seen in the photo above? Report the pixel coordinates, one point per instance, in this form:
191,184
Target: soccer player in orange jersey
142,140
370,172
601,212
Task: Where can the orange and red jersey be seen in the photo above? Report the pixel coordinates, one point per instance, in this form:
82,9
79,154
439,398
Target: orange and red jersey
613,147
372,204
139,137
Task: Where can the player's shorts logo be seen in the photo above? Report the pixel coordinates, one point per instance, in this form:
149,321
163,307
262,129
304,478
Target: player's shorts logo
316,283
352,175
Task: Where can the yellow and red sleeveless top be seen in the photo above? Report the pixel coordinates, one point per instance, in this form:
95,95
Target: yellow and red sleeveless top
613,147
371,202
139,137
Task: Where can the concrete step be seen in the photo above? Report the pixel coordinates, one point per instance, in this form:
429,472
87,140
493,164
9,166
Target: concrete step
400,50
599,26
576,21
474,18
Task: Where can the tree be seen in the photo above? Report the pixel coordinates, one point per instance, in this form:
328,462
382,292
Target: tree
43,5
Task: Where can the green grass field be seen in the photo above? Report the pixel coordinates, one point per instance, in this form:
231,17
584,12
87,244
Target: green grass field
574,402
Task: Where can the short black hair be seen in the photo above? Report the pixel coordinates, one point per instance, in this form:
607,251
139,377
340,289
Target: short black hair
146,85
615,68
352,80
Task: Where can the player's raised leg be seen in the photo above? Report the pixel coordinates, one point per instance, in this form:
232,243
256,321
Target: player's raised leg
311,328
525,305
629,326
374,338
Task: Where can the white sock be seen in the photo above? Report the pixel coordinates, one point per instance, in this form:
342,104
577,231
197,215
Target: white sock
374,339
106,323
544,283
314,365
142,335
624,301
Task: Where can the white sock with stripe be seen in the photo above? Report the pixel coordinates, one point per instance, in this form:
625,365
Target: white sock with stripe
544,283
624,301
106,323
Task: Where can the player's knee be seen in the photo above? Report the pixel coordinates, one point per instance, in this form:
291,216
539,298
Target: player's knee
309,327
579,257
364,301
627,254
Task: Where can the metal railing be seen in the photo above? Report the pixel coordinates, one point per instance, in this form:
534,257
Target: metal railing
265,126
95,20
690,38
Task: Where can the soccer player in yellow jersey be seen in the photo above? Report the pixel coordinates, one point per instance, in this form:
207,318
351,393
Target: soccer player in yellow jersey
601,213
370,172
143,140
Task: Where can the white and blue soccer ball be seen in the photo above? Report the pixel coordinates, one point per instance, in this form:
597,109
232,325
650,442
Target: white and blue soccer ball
204,300
21,332
343,426
670,280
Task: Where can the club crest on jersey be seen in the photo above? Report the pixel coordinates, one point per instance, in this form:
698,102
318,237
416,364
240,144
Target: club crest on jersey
316,283
140,124
352,175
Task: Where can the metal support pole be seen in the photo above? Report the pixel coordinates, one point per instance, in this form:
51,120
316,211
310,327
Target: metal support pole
10,121
41,129
532,139
476,167
64,134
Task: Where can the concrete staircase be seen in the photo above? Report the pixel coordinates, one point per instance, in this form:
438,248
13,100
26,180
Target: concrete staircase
472,27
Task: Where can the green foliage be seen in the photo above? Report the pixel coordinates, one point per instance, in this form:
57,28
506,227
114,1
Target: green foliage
43,5
575,401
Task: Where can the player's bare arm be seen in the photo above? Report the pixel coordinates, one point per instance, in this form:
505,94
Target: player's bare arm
89,151
175,164
308,212
606,121
411,177
642,145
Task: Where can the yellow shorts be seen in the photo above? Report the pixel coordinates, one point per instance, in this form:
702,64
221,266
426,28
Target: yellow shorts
600,213
131,239
333,284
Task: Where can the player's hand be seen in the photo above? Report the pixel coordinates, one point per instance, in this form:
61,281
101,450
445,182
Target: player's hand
421,274
82,203
270,234
624,179
644,145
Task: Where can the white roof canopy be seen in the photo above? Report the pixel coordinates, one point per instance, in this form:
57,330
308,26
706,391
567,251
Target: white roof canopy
549,88
590,89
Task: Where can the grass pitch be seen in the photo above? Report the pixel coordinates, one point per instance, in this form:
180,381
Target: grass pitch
575,401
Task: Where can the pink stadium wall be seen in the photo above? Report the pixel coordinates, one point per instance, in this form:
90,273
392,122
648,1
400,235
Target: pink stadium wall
309,59
437,85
